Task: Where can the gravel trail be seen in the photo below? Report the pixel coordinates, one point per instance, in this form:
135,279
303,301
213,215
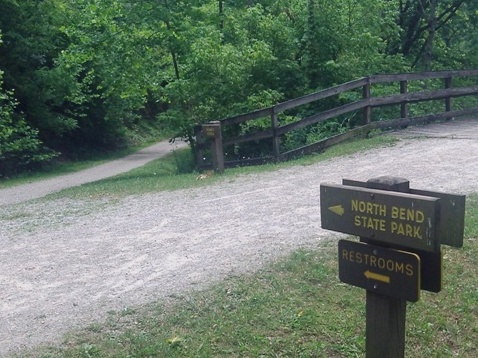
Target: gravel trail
65,263
40,189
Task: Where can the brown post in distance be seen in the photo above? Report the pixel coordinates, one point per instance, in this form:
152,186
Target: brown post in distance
212,131
448,84
367,111
403,105
275,137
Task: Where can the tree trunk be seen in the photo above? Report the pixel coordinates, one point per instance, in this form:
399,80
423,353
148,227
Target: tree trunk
432,28
221,18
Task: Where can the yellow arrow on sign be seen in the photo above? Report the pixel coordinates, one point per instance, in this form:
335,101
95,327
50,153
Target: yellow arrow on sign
376,276
337,209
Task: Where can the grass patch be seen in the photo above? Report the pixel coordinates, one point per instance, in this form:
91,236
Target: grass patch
171,172
293,308
60,168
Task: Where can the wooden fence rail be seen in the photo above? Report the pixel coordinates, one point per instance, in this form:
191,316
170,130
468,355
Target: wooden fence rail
218,138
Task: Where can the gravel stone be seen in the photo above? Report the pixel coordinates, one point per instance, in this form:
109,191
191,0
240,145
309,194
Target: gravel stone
65,263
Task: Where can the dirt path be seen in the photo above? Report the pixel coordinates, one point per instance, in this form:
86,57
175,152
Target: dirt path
40,189
65,263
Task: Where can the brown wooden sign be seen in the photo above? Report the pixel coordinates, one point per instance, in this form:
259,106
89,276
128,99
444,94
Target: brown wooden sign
211,130
431,275
452,213
384,271
394,218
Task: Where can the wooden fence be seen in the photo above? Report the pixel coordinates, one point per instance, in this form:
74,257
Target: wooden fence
214,136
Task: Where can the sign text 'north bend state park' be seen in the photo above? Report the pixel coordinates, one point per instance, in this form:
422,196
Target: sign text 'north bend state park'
391,217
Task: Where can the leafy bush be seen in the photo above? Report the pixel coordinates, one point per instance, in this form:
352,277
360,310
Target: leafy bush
19,143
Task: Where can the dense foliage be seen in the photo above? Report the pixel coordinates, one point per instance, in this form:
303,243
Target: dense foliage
79,76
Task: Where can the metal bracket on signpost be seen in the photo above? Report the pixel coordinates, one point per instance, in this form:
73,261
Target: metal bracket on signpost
212,131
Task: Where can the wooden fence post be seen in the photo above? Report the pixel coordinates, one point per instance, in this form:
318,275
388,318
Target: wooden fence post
404,104
212,131
275,137
367,110
448,84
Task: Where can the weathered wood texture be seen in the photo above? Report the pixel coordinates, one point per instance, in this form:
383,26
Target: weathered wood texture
385,321
402,99
385,316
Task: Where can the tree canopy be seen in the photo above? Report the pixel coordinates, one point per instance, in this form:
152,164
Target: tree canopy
78,76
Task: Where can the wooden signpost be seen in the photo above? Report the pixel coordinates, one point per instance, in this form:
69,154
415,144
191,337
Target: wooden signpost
401,230
212,133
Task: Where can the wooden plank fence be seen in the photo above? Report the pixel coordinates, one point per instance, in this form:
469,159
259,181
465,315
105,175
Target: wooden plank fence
214,136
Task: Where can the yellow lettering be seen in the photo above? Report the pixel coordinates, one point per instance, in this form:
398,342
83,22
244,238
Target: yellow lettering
345,255
420,217
370,223
390,265
405,214
407,230
373,261
416,232
369,208
360,221
366,207
366,259
357,220
394,212
381,263
400,230
393,227
362,206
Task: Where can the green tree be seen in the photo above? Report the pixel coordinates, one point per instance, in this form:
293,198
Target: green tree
31,42
90,74
426,26
105,71
19,143
226,69
343,40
